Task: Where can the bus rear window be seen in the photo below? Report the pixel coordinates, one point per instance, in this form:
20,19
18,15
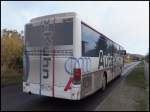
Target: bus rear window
41,35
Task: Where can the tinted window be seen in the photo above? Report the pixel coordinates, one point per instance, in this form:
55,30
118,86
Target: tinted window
102,44
115,49
89,42
118,49
92,42
121,48
109,47
41,35
64,33
33,35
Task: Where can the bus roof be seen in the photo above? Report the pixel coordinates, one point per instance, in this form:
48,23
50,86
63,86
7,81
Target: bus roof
53,15
70,14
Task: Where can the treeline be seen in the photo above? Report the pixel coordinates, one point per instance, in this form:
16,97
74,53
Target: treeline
11,50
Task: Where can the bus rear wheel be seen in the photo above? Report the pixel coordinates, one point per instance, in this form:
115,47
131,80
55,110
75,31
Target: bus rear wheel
104,83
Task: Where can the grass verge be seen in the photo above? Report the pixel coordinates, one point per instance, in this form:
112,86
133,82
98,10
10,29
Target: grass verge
137,79
10,77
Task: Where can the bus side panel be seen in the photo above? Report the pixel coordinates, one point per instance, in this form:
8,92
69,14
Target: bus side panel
117,66
86,85
91,79
109,72
91,82
97,80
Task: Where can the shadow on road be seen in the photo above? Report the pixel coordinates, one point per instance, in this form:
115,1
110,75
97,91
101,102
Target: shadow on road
12,98
34,102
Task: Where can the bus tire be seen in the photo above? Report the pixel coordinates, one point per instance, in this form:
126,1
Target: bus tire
104,83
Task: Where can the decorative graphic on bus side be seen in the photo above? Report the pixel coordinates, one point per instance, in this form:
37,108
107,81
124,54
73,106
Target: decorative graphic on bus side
83,62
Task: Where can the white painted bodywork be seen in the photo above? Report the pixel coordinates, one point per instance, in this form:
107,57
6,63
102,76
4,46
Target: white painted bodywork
38,86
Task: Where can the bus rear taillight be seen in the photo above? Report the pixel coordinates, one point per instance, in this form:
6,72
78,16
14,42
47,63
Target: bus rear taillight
77,76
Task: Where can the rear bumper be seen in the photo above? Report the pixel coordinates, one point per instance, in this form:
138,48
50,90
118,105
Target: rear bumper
70,94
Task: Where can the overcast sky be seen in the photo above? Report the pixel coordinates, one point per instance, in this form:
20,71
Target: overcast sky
126,23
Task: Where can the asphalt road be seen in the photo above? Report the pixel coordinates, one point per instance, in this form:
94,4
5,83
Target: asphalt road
146,69
12,98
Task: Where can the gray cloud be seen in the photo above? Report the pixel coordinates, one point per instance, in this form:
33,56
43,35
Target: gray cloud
124,22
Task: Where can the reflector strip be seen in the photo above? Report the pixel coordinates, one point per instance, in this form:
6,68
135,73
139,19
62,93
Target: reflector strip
68,84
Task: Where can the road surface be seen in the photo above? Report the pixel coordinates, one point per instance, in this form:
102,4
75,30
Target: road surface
146,69
12,98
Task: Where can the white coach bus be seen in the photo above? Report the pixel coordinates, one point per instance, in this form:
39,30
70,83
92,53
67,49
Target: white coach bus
66,58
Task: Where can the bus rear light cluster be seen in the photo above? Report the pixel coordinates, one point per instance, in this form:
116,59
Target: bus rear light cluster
77,76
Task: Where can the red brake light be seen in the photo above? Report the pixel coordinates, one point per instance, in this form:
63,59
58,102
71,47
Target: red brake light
77,74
